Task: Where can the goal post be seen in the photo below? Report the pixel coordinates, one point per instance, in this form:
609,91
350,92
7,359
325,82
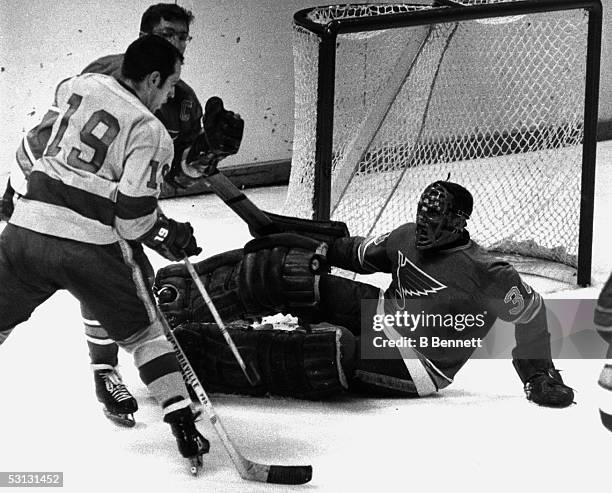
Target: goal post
501,94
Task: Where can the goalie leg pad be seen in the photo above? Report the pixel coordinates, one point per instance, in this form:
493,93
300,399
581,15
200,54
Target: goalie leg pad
388,378
306,364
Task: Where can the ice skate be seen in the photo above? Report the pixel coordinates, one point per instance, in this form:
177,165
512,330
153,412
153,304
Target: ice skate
191,444
119,404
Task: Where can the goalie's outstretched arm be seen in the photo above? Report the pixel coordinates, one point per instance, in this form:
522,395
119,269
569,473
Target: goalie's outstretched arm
359,254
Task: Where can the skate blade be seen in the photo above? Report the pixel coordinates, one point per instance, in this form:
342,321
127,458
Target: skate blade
196,465
125,420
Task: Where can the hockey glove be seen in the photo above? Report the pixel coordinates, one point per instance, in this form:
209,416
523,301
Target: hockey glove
171,239
222,136
544,385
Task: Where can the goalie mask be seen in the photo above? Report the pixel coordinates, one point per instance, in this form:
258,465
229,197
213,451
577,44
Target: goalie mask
442,215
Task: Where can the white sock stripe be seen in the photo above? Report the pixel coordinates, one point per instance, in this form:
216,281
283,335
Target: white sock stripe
158,338
101,366
100,342
92,323
177,405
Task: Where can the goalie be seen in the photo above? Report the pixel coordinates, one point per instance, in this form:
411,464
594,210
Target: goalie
432,261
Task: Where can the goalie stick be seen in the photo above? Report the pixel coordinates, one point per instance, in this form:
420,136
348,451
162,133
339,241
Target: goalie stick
258,220
249,372
249,470
262,223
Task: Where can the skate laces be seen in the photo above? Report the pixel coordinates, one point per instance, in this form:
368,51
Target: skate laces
115,385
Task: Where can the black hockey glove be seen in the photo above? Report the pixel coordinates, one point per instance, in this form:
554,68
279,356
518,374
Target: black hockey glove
543,384
172,239
222,136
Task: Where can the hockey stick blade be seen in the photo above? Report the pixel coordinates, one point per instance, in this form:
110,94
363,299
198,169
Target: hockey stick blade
289,474
249,470
277,474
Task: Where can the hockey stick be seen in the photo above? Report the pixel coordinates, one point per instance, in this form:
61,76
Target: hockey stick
249,372
249,470
262,223
257,220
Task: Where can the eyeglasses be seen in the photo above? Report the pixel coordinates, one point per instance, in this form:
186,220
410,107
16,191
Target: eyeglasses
170,33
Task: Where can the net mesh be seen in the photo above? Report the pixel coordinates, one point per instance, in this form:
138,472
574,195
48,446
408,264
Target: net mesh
498,104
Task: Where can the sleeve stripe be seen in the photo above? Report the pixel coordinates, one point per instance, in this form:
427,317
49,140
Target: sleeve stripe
129,208
529,313
603,318
28,151
24,158
361,253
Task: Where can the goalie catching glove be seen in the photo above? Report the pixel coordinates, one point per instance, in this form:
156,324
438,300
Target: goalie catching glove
171,239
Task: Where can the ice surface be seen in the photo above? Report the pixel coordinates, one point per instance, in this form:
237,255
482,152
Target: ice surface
478,435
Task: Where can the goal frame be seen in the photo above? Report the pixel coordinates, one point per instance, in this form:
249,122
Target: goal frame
328,33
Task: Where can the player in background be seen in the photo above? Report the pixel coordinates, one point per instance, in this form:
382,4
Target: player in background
181,114
603,324
91,204
436,270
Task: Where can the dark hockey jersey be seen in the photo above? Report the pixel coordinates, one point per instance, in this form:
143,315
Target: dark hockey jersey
181,115
459,293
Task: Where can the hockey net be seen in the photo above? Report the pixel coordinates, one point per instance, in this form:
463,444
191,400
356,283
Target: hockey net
496,102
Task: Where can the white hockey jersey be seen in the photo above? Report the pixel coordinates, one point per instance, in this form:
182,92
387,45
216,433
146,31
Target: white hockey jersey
100,174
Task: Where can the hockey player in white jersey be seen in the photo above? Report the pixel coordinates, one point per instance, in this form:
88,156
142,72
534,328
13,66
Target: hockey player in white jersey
182,115
436,269
90,206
